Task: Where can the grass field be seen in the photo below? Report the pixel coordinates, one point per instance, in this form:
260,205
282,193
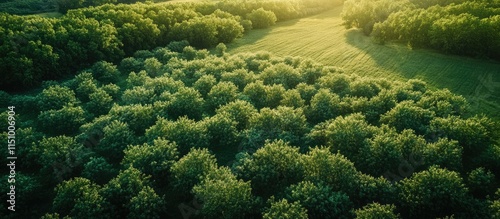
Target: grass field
323,38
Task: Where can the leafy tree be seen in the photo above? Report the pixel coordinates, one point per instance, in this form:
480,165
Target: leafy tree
432,193
382,153
324,106
281,74
376,210
80,198
339,84
155,160
204,84
221,94
472,133
335,170
239,111
191,169
61,155
406,115
283,123
443,103
116,137
261,18
184,132
123,188
262,167
344,134
100,102
98,170
153,67
220,49
62,121
444,153
222,132
188,102
285,210
85,85
147,204
105,72
320,200
256,93
55,98
391,151
370,189
223,195
481,182
138,95
239,77
292,98
138,116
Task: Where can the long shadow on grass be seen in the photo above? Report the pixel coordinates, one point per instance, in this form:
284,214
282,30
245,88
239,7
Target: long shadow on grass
476,79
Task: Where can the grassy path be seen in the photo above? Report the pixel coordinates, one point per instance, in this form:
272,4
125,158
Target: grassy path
323,38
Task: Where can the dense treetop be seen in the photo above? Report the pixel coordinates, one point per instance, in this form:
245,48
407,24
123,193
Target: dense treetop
175,130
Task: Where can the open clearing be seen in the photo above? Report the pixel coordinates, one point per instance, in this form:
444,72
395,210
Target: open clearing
323,38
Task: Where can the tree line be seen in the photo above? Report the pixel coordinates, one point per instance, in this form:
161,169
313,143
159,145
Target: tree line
453,26
249,135
35,48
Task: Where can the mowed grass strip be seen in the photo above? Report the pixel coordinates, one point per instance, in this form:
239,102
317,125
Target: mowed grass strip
323,38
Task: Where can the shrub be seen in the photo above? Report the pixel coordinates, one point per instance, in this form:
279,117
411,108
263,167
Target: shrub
261,18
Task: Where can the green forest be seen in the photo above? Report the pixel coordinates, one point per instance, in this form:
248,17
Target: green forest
139,111
463,27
